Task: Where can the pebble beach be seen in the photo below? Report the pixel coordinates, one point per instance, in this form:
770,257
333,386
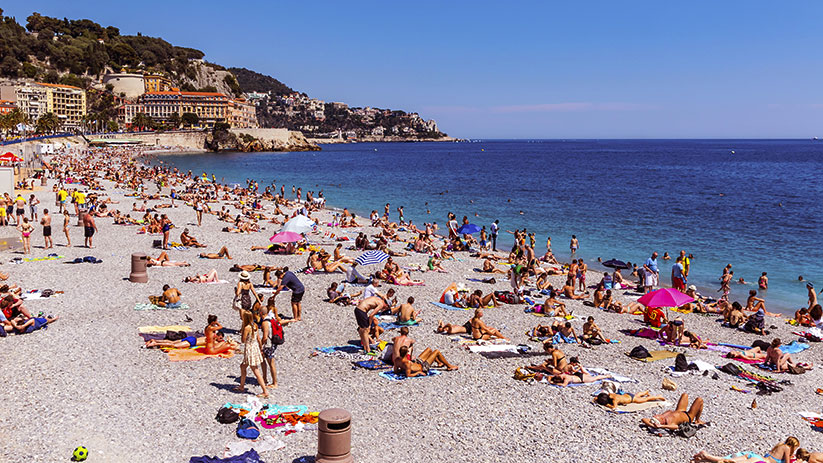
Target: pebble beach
87,379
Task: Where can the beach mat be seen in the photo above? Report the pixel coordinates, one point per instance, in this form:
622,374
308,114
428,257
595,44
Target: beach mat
396,325
149,306
647,333
446,306
794,347
163,329
634,407
198,353
392,376
476,349
656,355
372,365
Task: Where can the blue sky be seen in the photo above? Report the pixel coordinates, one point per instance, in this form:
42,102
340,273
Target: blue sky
596,69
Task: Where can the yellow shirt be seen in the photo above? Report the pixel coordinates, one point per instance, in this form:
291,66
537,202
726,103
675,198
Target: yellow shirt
80,198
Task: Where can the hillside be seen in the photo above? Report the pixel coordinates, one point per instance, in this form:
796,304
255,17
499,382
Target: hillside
80,52
251,81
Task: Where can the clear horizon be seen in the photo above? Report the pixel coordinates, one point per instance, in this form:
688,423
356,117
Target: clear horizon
709,70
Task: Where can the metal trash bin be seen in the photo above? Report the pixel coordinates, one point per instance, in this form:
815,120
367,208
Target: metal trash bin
138,273
43,180
80,218
334,436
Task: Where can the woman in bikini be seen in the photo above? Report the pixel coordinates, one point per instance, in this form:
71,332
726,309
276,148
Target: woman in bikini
781,453
672,419
210,277
25,229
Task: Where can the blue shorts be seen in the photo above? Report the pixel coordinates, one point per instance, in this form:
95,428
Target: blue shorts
191,340
174,305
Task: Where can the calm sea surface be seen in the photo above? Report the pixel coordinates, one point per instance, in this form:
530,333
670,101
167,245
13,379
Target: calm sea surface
757,204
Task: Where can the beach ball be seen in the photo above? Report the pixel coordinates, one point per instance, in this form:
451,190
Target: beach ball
80,454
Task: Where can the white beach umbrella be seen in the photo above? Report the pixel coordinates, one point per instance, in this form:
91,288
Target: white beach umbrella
299,224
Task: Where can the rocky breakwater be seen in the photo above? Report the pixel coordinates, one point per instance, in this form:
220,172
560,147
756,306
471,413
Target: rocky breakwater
248,140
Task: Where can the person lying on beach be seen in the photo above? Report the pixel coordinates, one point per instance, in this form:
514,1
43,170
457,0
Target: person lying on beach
672,419
809,457
749,354
592,333
578,375
694,340
188,240
428,359
612,400
23,325
477,300
164,261
223,252
185,343
780,453
210,277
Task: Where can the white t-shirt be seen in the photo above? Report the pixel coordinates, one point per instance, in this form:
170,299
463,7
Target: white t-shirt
448,298
369,291
494,229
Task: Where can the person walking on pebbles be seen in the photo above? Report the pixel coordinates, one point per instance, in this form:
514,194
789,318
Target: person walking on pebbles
251,355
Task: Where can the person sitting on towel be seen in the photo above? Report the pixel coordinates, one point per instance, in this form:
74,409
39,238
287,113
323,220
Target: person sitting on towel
398,342
405,311
480,330
405,365
477,300
591,332
188,240
612,400
556,362
672,419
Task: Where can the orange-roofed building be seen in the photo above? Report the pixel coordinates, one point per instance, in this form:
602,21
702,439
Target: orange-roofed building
156,83
209,107
67,102
7,106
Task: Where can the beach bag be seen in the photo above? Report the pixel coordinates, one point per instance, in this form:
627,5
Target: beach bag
763,345
247,430
226,415
680,363
277,337
731,369
686,430
639,352
523,375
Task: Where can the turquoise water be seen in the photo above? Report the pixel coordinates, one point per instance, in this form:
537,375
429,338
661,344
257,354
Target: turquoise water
758,208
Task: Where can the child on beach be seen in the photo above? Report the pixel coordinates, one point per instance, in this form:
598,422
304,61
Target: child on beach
251,355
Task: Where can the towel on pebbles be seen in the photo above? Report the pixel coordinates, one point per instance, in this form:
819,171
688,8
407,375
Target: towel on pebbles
493,348
392,376
162,329
198,353
635,407
615,377
148,306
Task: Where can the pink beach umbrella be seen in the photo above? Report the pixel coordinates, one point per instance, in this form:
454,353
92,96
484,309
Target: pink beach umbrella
665,297
286,237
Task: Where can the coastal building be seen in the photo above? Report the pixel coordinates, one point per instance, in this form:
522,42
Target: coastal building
242,114
127,111
129,85
209,107
68,103
7,106
156,83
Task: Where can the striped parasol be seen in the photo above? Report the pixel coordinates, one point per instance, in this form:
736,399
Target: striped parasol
372,257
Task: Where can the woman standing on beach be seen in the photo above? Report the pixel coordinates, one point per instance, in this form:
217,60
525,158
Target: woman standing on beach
26,228
244,291
66,227
251,355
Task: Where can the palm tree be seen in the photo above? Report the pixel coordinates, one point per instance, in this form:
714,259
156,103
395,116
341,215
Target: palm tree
48,123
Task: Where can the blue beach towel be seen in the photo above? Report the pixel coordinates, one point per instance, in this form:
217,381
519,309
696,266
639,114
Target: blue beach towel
558,338
446,306
372,364
395,325
392,376
349,349
794,347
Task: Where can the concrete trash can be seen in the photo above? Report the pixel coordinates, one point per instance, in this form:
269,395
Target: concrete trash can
138,268
80,218
334,436
43,180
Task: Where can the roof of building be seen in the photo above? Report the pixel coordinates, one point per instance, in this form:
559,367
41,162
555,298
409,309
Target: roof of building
167,92
58,85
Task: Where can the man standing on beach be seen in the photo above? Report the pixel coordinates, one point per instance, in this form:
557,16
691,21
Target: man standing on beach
495,229
650,273
678,277
687,263
46,223
574,244
89,227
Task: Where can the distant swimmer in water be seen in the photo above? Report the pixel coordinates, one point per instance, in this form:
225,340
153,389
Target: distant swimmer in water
800,278
779,204
666,256
508,201
521,212
721,194
742,281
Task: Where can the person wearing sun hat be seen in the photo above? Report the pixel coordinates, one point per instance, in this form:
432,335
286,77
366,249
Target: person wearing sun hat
244,291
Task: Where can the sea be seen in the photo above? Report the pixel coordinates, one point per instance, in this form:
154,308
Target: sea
754,204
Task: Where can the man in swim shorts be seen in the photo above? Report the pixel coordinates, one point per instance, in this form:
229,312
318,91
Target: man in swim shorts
89,227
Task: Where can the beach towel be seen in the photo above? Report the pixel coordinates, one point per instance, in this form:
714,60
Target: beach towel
41,259
647,333
348,349
493,348
372,364
163,329
447,307
794,347
392,376
164,335
559,337
195,354
656,355
148,306
36,295
397,325
614,376
634,407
